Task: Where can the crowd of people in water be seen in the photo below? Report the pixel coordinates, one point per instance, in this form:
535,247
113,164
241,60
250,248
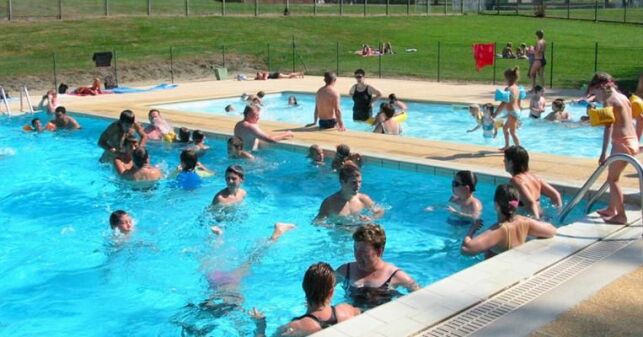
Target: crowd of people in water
369,280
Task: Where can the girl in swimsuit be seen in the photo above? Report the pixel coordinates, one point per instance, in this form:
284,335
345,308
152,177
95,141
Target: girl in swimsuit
510,231
623,137
462,203
370,281
512,108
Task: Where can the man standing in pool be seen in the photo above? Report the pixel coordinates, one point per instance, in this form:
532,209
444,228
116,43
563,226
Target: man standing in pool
363,97
248,129
327,109
113,138
347,203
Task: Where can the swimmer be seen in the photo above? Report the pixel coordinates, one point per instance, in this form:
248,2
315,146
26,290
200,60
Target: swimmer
348,203
292,101
316,155
462,203
229,108
476,114
235,149
558,113
248,129
158,127
121,221
184,135
397,104
141,170
199,142
370,281
621,134
319,285
509,232
537,102
111,140
342,151
512,107
363,97
187,178
62,121
529,186
36,126
232,193
51,97
124,156
385,123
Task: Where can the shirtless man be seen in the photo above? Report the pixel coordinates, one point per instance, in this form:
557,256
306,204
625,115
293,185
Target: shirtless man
538,68
623,137
62,121
348,202
111,140
528,184
141,170
327,109
251,133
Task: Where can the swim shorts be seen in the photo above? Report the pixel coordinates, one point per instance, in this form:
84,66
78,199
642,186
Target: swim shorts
327,123
273,76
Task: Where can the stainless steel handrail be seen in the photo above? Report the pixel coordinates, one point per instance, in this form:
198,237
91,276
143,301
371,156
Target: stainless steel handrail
4,100
588,184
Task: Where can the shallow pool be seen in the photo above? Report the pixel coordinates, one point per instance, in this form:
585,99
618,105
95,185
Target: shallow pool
432,121
63,273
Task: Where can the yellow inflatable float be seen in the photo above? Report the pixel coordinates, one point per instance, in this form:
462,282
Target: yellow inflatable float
637,106
602,116
399,118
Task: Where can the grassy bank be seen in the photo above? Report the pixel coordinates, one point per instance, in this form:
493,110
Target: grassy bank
247,42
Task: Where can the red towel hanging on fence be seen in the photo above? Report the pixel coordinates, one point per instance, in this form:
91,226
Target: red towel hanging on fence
484,54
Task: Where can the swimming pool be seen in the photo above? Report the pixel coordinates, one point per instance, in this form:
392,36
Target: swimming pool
444,122
63,273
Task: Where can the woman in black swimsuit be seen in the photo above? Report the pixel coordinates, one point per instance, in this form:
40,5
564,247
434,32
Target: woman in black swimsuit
370,281
363,97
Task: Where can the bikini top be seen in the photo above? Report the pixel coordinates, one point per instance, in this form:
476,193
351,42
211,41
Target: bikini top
323,324
369,296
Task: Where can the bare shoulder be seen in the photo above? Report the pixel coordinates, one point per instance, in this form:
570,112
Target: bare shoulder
346,311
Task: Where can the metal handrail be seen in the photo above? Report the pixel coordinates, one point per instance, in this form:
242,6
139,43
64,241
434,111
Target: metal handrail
24,92
583,190
4,100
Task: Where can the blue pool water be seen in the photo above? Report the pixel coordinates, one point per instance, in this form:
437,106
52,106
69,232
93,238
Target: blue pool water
432,121
64,273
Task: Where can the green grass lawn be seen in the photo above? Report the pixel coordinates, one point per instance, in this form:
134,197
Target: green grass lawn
28,46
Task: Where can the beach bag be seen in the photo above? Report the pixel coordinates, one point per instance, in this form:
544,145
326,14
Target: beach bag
62,88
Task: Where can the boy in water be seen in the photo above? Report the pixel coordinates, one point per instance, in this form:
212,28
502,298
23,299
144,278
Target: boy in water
232,193
235,149
537,102
316,155
121,221
558,113
199,142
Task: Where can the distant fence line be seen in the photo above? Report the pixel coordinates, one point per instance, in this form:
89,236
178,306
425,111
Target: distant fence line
628,11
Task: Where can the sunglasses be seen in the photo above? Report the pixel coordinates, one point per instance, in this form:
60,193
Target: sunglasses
457,184
359,77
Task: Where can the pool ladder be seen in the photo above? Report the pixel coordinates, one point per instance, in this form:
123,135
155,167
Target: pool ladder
24,95
588,184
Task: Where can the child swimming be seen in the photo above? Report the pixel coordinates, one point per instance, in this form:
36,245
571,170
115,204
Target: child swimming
462,203
235,149
537,102
120,221
486,120
316,155
558,113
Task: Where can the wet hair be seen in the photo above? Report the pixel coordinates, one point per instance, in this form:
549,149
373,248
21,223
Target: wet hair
467,178
329,77
519,159
140,156
388,110
343,150
360,71
184,135
372,234
354,159
236,142
127,116
197,136
229,108
512,74
558,104
538,88
600,78
250,109
507,198
115,218
33,122
189,160
392,97
318,283
540,33
260,94
236,169
313,149
293,99
61,109
347,171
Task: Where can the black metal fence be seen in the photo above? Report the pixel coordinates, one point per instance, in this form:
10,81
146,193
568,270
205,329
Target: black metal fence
629,11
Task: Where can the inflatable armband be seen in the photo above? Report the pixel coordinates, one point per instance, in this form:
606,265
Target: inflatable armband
502,96
169,137
602,116
28,128
522,92
399,118
637,106
50,126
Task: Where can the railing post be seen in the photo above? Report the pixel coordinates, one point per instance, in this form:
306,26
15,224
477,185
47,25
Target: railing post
172,64
293,53
596,57
365,4
223,54
53,56
596,11
438,61
187,7
222,7
256,7
269,61
495,52
10,11
60,9
337,58
115,67
149,7
379,60
551,68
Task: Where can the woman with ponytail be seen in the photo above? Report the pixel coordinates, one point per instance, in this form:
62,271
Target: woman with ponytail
510,231
512,107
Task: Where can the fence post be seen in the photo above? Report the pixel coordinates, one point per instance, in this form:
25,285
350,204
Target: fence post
256,7
315,7
438,61
551,68
596,11
115,67
337,58
497,7
223,54
149,7
60,9
624,11
172,64
428,7
461,6
10,11
269,65
55,73
568,5
516,6
222,7
596,57
187,7
445,7
387,7
293,53
365,4
495,52
408,7
341,7
379,60
106,7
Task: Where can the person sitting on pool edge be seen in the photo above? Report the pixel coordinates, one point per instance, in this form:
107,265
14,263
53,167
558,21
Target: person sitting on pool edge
141,170
510,231
121,221
348,203
236,151
371,281
529,186
248,129
111,140
319,287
